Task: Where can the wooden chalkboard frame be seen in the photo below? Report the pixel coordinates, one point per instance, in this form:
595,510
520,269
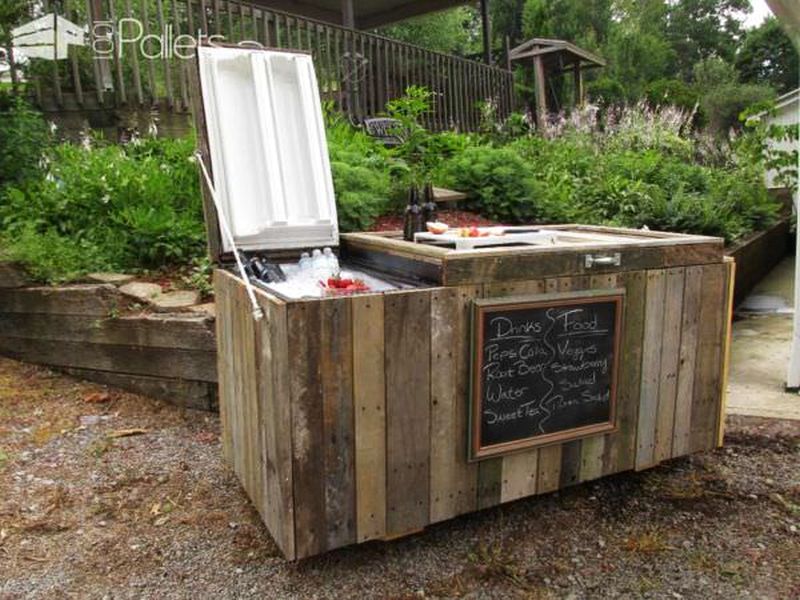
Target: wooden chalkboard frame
482,307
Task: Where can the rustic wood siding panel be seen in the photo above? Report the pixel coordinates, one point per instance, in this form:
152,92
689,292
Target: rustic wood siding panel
592,448
276,423
408,359
620,448
339,440
308,466
453,479
223,284
707,389
651,368
690,320
727,336
670,358
370,417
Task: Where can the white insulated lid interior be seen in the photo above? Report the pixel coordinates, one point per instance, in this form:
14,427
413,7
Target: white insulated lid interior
267,145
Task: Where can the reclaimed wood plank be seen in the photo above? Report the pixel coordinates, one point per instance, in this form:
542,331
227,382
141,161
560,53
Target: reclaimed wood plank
651,368
198,365
690,319
490,482
275,421
592,447
369,391
189,332
308,465
13,275
237,409
253,476
570,469
85,299
727,340
453,481
222,283
336,340
549,469
707,390
197,395
490,264
520,475
670,357
620,449
407,324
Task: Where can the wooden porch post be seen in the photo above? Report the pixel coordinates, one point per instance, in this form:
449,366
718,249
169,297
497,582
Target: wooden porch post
577,77
539,83
348,14
487,32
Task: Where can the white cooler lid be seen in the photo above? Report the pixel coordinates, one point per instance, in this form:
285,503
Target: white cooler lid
267,146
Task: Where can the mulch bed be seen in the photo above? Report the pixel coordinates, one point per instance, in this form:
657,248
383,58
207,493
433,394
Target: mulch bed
454,218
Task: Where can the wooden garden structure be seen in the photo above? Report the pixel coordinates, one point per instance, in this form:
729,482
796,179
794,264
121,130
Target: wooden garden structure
551,58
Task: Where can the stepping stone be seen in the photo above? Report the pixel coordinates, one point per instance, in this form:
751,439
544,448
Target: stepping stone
113,278
173,300
208,309
141,290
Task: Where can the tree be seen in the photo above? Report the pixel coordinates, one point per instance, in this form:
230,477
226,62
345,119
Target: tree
722,96
582,22
12,13
697,29
454,31
767,56
635,58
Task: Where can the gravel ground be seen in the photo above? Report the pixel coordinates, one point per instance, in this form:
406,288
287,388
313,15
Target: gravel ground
105,494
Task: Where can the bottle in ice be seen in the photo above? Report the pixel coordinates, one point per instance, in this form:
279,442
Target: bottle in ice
319,265
332,262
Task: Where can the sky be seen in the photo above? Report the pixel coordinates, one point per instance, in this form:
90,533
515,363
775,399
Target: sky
760,12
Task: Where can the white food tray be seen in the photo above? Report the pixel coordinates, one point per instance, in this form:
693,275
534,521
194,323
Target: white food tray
535,238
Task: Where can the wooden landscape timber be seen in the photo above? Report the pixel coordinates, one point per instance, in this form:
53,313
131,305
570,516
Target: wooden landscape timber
90,331
357,422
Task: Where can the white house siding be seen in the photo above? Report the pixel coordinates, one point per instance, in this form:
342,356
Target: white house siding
787,112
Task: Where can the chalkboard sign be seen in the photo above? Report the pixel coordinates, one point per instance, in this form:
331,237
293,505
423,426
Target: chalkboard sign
544,369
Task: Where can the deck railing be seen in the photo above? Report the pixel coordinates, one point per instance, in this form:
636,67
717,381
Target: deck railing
358,71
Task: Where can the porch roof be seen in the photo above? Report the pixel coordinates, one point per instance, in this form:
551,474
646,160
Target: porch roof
367,14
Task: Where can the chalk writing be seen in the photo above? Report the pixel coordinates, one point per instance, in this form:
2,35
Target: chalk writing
545,368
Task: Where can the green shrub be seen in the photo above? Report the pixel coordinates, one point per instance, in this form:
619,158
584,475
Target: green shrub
498,182
119,207
362,175
24,137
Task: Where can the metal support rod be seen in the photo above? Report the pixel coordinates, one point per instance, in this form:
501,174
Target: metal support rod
258,314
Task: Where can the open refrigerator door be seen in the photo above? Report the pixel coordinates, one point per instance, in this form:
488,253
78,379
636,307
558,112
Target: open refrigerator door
272,181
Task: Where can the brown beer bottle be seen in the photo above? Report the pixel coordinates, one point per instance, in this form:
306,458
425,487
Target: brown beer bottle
429,208
412,219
